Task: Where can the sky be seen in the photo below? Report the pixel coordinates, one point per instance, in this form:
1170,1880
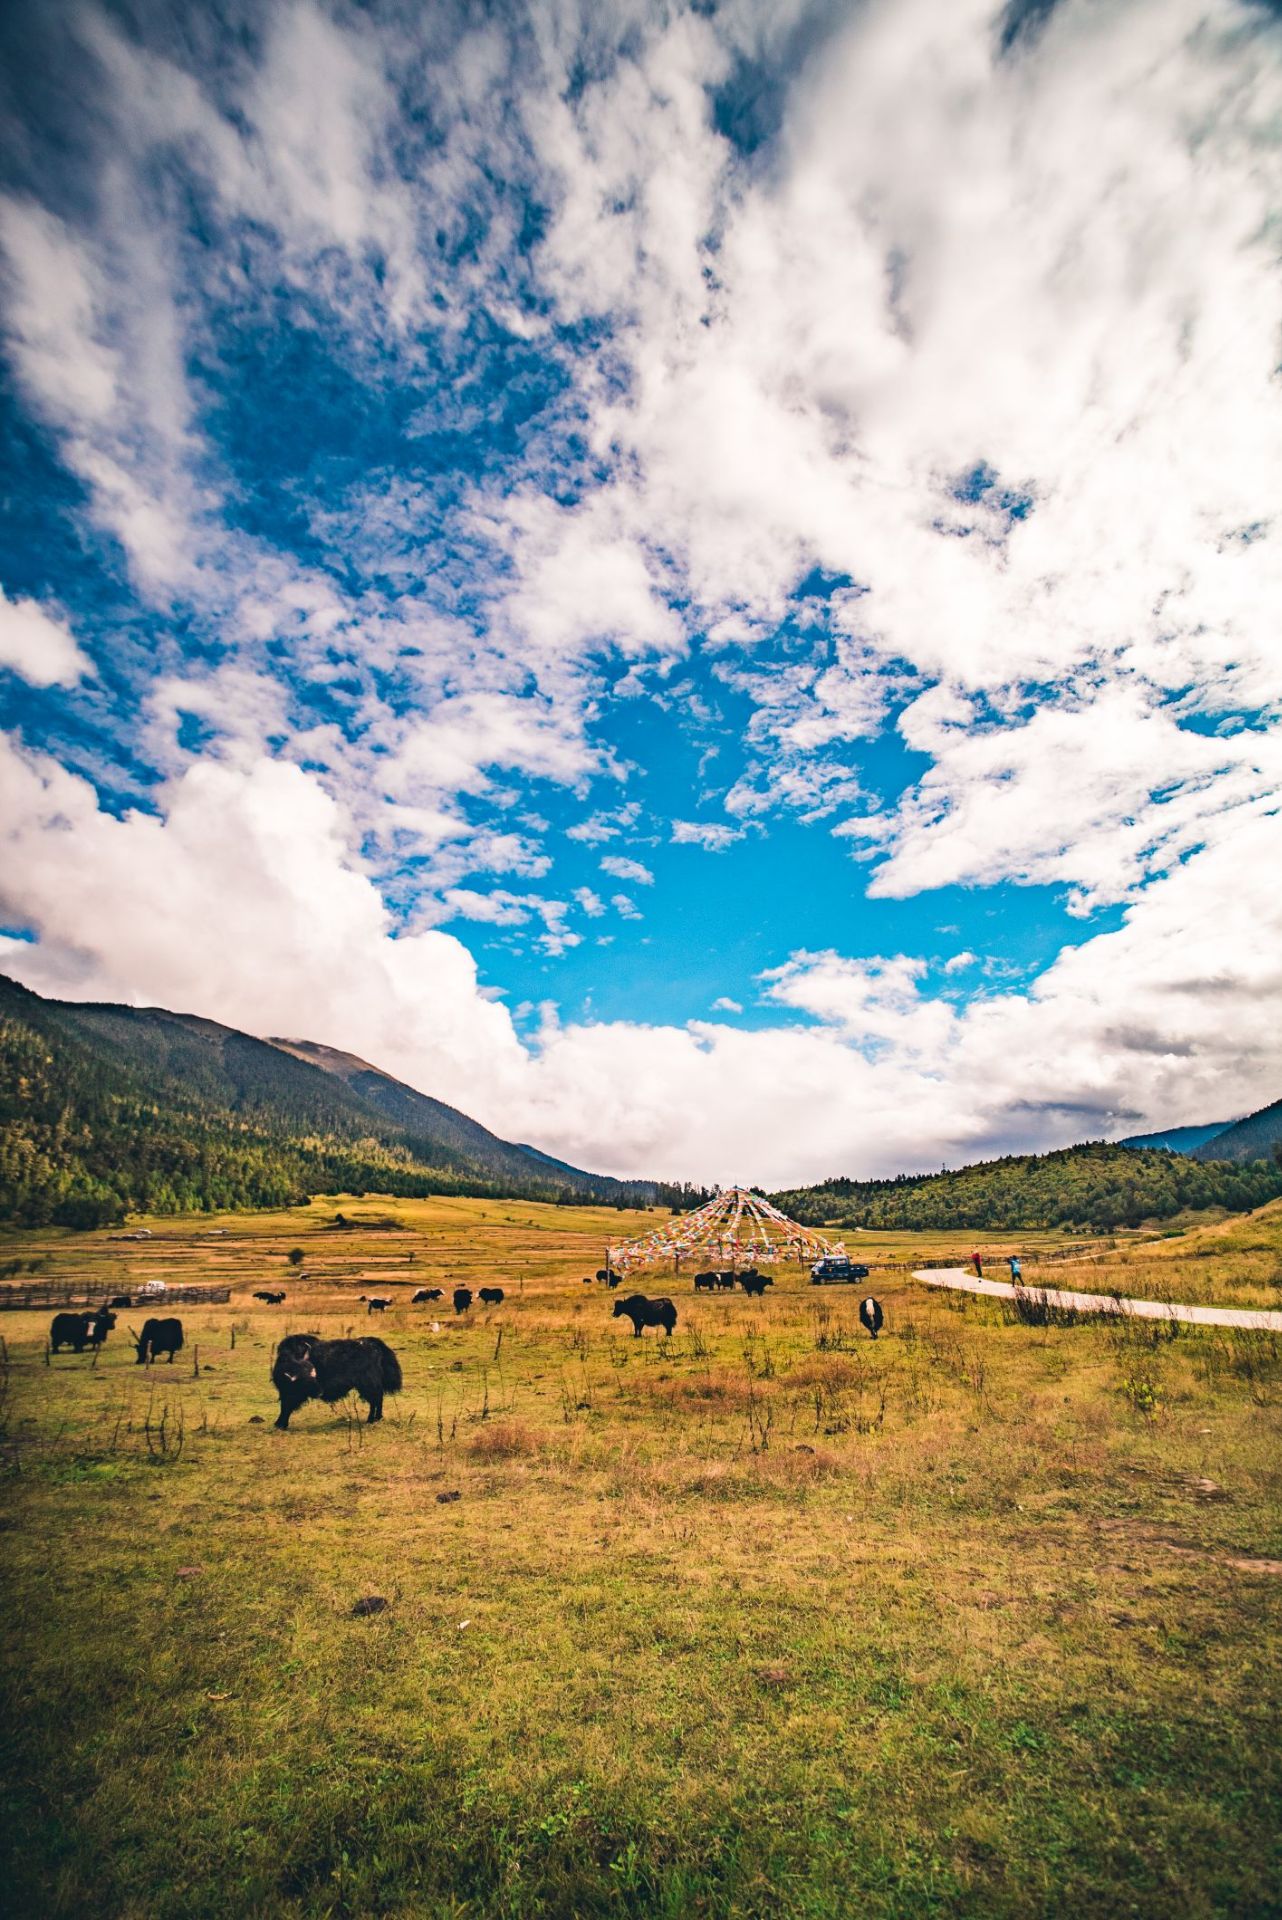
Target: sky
701,582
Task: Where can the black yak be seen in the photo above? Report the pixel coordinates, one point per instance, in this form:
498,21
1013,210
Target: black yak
462,1299
269,1299
646,1313
704,1282
871,1314
755,1283
157,1337
309,1368
425,1293
726,1281
492,1296
120,1300
81,1330
99,1325
376,1302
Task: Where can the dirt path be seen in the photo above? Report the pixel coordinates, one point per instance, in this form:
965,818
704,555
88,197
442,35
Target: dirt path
963,1282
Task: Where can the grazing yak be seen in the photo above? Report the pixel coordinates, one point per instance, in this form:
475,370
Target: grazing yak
755,1283
462,1299
120,1300
871,1314
81,1330
704,1282
269,1299
157,1337
726,1281
376,1302
492,1296
646,1313
309,1368
610,1278
426,1293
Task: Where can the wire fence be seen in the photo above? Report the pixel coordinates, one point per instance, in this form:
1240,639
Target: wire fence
36,1297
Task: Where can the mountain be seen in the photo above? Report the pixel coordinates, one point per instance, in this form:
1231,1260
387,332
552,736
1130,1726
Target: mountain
1096,1186
1178,1139
422,1117
1255,1138
109,1109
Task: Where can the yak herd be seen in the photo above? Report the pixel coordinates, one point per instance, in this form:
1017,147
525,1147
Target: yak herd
307,1367
81,1330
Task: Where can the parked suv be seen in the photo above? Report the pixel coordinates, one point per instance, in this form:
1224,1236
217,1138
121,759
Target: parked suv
834,1268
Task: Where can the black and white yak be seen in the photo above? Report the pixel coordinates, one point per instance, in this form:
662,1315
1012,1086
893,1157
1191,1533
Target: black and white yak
871,1314
81,1330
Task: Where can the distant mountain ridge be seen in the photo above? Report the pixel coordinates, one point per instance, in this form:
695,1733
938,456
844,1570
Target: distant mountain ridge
108,1109
1178,1139
1257,1137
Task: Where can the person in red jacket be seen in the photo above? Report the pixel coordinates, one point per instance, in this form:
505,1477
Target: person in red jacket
978,1260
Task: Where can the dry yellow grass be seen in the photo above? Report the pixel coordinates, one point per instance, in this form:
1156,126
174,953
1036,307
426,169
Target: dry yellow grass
765,1619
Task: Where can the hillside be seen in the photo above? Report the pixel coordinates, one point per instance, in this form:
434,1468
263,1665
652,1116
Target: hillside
1094,1186
1178,1139
109,1109
422,1117
1256,1138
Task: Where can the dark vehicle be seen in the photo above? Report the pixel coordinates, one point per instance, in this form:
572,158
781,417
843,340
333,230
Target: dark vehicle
836,1269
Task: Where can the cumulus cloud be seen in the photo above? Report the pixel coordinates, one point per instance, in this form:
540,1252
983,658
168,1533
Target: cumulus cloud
239,900
38,646
622,868
713,835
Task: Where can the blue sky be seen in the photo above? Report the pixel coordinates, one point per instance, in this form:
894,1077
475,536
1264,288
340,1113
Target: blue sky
697,582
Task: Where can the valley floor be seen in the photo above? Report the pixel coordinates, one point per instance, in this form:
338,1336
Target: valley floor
980,1619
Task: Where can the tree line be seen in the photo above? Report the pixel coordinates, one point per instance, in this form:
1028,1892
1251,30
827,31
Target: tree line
1091,1187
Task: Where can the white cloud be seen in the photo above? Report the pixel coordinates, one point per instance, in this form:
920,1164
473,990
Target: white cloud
38,646
605,824
724,1004
624,869
625,908
960,961
239,900
590,903
713,835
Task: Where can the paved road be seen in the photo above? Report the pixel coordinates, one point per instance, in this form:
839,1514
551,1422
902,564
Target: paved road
963,1282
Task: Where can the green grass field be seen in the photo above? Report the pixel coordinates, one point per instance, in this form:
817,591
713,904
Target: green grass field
766,1620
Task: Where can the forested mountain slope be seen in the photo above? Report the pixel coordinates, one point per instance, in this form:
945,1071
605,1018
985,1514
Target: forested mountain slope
1093,1186
111,1109
1178,1139
1260,1134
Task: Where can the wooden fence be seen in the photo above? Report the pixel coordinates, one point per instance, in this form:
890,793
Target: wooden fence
48,1294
